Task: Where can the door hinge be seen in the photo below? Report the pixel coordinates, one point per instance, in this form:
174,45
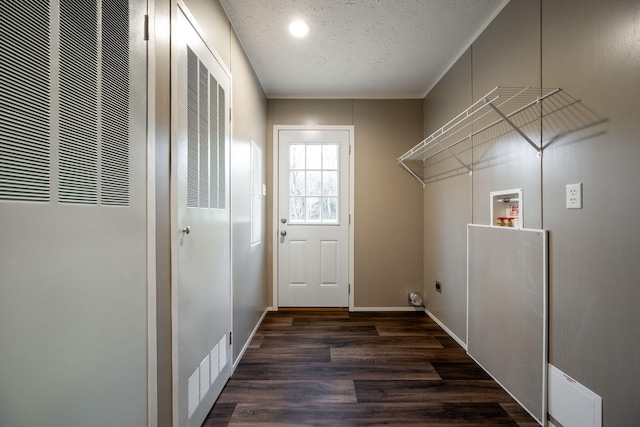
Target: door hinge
349,149
146,27
230,338
349,287
349,219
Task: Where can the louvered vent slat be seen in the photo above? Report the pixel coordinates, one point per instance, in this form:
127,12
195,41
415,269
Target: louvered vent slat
16,147
13,165
205,137
25,91
203,183
24,70
30,179
192,129
18,115
114,184
213,132
78,152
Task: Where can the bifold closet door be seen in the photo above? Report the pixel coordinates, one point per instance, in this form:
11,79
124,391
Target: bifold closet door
73,256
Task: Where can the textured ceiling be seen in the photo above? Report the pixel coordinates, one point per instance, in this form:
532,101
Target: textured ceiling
357,48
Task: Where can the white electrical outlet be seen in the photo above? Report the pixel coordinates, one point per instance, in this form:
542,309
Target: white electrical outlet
574,196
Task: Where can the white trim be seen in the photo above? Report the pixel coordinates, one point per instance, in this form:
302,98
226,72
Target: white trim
173,197
229,165
466,313
447,330
545,327
352,216
275,192
274,229
246,344
385,309
152,327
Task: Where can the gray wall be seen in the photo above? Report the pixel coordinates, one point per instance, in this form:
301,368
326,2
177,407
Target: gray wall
388,204
507,53
591,50
447,204
161,98
249,267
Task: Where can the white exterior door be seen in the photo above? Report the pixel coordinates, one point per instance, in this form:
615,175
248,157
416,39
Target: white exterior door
202,277
313,218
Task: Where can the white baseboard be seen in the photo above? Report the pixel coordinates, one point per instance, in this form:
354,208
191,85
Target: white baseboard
246,345
386,309
447,330
370,308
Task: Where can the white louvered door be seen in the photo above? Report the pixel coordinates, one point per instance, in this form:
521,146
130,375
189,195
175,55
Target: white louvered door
202,228
73,256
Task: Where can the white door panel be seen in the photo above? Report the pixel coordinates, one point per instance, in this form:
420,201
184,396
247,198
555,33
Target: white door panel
329,262
313,206
202,280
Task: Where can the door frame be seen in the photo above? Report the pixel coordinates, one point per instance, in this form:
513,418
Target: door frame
276,195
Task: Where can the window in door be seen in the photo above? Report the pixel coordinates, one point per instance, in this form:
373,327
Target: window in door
313,183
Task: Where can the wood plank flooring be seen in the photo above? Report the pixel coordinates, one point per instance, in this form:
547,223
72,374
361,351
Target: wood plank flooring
335,368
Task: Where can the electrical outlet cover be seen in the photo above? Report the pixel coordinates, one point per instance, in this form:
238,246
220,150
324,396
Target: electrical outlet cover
574,196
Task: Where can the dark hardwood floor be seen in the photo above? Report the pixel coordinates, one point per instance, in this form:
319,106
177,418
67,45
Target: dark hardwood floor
335,368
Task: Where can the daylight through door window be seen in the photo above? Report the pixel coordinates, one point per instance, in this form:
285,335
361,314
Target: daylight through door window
313,183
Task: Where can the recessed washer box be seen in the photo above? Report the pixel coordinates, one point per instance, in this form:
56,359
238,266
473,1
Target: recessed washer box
506,208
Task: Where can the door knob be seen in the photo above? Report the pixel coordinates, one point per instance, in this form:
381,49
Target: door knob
186,230
283,233
283,220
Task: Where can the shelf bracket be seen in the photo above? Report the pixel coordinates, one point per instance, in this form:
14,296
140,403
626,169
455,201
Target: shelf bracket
412,173
445,148
510,123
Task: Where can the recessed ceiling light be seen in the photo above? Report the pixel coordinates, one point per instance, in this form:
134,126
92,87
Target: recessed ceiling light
299,28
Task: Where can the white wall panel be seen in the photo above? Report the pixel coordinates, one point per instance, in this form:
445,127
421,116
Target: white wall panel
73,255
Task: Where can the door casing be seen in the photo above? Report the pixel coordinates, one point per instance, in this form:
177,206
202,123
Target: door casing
275,226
